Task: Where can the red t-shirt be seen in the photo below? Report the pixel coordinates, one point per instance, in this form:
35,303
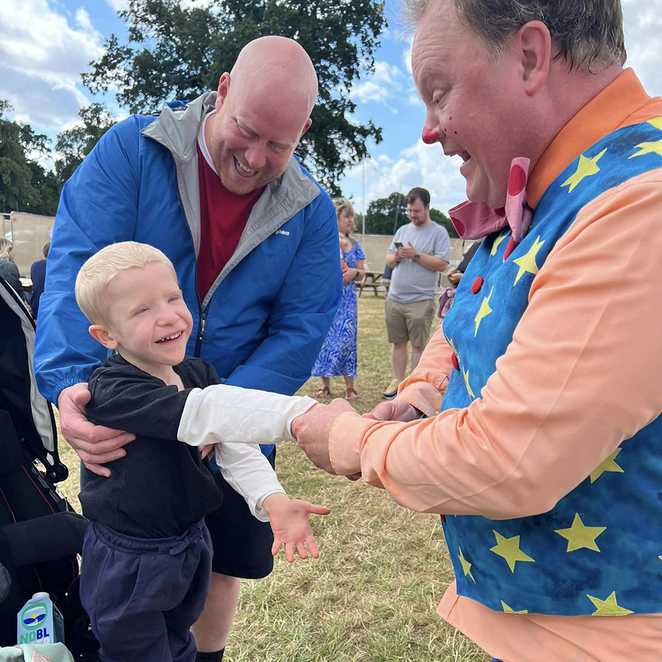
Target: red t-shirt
223,217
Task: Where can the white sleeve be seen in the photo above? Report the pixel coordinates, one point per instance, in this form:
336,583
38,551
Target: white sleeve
231,414
249,473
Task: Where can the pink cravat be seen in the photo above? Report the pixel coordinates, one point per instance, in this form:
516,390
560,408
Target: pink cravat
475,220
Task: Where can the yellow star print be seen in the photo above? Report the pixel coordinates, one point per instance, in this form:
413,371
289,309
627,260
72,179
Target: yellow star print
508,549
497,242
580,536
648,148
607,465
466,566
483,311
656,122
527,263
585,168
608,607
509,610
468,384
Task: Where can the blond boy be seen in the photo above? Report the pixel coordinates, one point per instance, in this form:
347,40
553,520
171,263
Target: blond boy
147,553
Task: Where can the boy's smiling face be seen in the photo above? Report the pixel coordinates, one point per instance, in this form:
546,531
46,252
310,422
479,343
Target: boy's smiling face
147,321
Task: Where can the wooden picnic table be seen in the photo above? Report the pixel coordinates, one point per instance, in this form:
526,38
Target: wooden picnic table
374,280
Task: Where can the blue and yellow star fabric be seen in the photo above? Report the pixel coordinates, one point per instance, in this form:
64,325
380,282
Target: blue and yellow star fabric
598,552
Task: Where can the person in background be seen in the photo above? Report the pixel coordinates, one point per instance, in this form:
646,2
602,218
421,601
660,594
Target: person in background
8,269
38,278
454,277
418,252
338,354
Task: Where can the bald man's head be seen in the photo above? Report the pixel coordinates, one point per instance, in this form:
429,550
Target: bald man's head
262,109
278,62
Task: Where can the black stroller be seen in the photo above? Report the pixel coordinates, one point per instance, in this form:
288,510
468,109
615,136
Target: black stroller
40,535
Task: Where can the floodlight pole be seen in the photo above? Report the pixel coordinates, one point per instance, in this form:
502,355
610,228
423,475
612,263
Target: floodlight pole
364,204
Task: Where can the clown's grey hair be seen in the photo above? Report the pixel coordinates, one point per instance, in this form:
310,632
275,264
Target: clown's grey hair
587,34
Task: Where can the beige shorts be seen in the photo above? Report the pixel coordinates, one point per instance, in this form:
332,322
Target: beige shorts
409,322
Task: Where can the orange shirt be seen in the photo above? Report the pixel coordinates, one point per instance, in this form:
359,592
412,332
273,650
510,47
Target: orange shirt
540,427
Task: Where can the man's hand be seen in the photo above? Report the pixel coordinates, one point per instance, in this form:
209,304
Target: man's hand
406,252
393,410
312,430
290,525
94,444
454,277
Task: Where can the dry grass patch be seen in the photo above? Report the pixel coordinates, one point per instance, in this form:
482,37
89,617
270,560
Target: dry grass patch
371,597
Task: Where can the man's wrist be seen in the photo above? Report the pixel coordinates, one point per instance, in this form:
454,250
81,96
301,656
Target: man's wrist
417,257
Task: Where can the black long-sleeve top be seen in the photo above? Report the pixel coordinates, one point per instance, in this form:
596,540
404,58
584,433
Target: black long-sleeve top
161,487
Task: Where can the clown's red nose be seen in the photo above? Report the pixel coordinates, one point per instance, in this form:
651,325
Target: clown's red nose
430,136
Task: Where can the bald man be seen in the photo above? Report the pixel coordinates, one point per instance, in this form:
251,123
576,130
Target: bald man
214,185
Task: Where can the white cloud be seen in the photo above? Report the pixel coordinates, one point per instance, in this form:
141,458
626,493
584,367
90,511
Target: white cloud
643,25
384,84
418,165
41,58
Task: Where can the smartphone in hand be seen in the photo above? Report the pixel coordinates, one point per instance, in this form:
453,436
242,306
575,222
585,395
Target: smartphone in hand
397,244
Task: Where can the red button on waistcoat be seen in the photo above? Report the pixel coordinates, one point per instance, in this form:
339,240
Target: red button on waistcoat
477,284
512,245
455,361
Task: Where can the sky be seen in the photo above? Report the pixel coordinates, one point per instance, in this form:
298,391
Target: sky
46,44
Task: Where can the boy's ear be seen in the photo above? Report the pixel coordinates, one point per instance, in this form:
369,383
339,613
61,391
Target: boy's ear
101,334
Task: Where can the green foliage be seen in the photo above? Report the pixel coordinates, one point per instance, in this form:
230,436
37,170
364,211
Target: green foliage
178,52
74,144
386,215
24,184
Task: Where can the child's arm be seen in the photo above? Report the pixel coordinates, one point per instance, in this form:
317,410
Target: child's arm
249,473
223,413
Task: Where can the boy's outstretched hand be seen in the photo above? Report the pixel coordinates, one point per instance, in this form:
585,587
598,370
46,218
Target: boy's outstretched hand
290,525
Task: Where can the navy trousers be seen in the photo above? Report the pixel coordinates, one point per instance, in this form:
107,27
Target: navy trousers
142,595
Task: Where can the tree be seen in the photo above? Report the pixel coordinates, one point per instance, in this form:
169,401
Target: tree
176,52
24,184
74,144
386,215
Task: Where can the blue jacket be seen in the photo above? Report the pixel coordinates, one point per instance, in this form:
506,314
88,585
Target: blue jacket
266,315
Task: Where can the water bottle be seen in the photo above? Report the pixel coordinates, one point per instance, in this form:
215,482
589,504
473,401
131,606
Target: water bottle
40,621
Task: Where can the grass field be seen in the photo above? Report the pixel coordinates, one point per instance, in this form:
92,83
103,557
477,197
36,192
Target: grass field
371,597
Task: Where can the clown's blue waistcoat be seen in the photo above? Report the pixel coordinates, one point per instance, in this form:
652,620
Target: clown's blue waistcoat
529,564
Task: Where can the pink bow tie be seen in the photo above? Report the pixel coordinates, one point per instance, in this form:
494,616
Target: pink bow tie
475,220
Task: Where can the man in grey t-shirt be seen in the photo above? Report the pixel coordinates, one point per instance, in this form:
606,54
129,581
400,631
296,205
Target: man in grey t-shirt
419,251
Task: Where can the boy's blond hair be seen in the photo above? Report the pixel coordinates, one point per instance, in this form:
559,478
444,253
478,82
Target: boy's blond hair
97,272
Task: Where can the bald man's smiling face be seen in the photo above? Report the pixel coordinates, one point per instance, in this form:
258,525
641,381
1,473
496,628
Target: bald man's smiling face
254,132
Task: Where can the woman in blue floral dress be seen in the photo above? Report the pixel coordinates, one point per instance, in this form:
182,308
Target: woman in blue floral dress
338,354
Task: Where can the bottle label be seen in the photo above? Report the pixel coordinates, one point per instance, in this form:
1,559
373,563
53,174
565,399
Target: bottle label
34,623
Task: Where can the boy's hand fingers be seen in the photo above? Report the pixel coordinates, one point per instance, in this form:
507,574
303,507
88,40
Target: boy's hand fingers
312,546
317,510
302,551
289,552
